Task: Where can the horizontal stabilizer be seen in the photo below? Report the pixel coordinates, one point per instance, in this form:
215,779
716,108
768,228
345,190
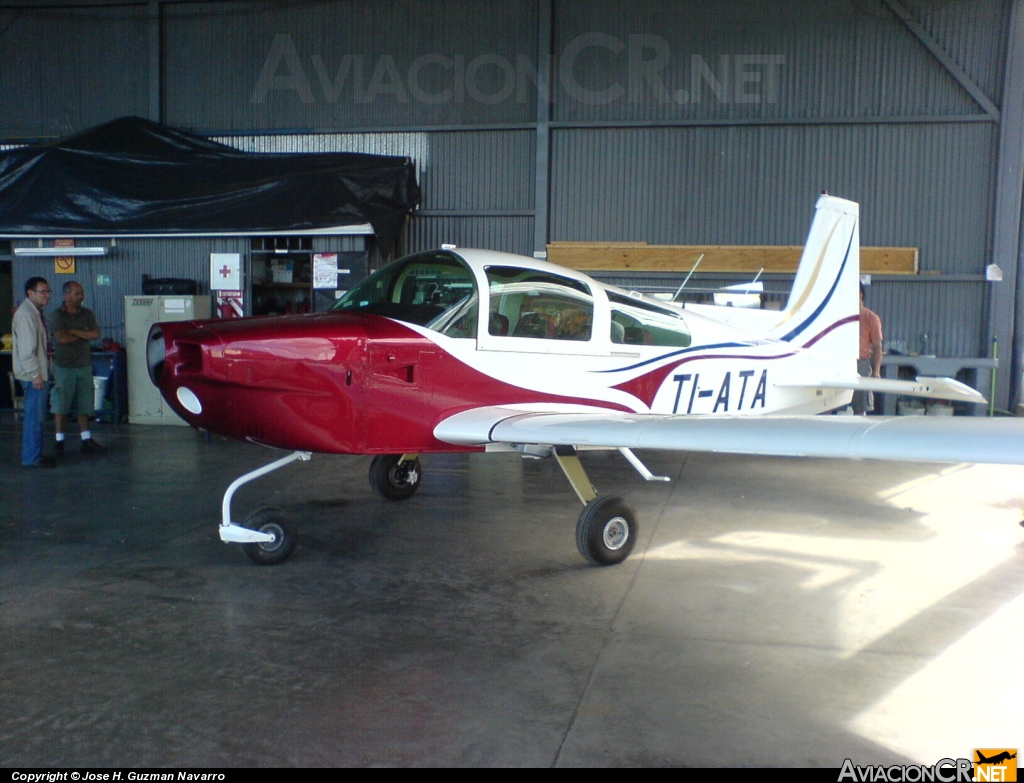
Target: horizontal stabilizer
935,388
908,438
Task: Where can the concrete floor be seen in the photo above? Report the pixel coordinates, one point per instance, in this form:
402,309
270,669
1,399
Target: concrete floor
776,612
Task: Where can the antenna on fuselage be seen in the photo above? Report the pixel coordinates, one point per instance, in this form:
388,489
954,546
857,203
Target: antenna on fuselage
687,280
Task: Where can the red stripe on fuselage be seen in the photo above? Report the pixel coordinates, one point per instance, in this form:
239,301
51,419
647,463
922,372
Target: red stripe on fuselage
848,320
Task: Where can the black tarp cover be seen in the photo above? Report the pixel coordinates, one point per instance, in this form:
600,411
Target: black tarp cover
139,177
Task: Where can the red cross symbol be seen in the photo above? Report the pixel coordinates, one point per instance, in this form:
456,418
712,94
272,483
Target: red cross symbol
225,271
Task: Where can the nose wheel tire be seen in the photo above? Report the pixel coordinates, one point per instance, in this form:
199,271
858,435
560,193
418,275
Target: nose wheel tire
606,531
273,521
394,478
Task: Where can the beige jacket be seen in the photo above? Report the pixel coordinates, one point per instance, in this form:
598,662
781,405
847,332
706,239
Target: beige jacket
29,344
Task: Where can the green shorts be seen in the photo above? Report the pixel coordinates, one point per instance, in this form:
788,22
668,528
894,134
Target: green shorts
72,386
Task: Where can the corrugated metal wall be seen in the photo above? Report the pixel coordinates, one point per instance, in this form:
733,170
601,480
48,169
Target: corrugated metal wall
928,186
934,317
131,258
479,171
511,234
125,265
731,59
67,69
972,34
478,186
669,122
340,66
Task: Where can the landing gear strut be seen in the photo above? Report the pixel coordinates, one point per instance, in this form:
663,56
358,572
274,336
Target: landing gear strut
607,528
267,537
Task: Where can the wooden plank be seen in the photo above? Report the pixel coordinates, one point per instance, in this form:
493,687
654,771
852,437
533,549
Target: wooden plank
638,257
598,244
889,260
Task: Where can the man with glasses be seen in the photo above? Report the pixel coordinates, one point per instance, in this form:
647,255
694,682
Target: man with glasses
32,354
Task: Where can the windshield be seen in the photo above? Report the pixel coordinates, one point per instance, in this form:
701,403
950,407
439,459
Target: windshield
416,289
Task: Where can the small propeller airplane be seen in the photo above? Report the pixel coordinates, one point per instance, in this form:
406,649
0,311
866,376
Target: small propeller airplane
999,758
458,350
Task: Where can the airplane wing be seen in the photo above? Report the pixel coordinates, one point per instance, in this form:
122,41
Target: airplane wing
935,388
909,438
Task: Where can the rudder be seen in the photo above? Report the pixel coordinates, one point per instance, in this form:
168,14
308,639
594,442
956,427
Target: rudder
823,309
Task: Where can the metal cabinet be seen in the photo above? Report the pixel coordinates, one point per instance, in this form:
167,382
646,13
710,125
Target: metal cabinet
145,405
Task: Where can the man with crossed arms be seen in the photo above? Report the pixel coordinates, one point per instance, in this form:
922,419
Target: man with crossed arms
74,327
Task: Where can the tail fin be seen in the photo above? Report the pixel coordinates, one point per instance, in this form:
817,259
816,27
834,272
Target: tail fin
824,304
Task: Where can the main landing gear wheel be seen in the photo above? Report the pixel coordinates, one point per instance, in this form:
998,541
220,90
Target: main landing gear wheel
394,478
606,530
273,521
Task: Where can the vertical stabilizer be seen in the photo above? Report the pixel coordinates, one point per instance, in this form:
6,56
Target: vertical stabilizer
824,306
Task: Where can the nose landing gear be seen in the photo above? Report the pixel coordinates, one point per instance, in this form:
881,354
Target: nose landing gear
273,522
267,536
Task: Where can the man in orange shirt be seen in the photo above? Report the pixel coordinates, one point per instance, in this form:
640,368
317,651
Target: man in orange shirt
870,360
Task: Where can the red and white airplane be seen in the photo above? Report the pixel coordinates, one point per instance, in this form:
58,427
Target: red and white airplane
472,350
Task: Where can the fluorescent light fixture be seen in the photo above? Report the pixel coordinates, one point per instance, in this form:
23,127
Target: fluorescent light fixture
53,252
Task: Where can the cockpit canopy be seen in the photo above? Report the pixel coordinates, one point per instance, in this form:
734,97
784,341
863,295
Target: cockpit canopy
441,291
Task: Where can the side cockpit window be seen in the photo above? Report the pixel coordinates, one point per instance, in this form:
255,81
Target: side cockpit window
538,305
636,322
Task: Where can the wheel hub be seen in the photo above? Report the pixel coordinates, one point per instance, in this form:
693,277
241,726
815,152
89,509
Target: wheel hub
405,473
276,532
616,533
